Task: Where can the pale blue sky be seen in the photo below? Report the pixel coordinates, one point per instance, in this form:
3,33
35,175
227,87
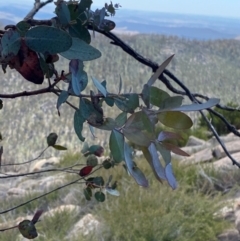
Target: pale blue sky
225,8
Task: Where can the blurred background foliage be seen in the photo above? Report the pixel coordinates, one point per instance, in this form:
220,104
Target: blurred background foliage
208,67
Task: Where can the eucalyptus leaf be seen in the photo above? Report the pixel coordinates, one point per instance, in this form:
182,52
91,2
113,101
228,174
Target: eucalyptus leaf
136,136
134,171
159,71
81,50
127,103
157,96
172,102
196,107
59,147
62,98
176,120
10,43
116,145
113,192
78,124
157,165
48,39
121,119
63,13
166,154
170,177
99,86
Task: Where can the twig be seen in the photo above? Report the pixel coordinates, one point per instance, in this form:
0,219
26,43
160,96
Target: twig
37,6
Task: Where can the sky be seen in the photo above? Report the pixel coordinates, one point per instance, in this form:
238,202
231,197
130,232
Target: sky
224,8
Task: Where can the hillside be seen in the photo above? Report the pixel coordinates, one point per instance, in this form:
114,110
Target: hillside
208,67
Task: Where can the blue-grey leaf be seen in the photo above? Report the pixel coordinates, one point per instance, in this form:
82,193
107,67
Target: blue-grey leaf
196,107
159,70
134,171
45,39
81,50
10,44
79,78
78,124
62,98
99,86
170,177
113,192
158,167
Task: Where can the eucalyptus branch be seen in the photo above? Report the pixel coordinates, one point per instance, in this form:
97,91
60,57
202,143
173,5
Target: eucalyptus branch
37,6
47,193
43,171
22,163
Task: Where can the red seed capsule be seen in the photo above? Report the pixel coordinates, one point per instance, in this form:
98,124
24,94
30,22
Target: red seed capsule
85,171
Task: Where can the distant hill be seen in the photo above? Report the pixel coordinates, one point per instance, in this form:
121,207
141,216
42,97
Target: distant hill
184,26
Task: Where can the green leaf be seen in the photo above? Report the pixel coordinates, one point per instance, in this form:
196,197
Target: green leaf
146,95
157,165
109,101
92,161
97,150
62,98
176,120
99,181
159,71
78,124
79,31
100,196
172,102
63,13
23,27
148,125
166,155
99,86
11,42
59,148
107,164
83,5
157,96
121,119
127,103
87,193
51,139
109,124
81,50
45,39
134,171
27,229
116,145
136,136
79,78
90,113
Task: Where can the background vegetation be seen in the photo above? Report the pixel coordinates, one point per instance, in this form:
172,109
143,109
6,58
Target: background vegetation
156,213
209,67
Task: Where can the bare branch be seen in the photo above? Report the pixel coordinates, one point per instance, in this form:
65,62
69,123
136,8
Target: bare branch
37,6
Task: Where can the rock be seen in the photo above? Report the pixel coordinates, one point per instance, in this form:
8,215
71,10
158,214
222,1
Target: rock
62,208
204,155
232,147
16,192
194,141
44,164
85,225
229,235
226,163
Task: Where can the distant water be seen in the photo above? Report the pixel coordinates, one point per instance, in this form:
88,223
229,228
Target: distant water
186,26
